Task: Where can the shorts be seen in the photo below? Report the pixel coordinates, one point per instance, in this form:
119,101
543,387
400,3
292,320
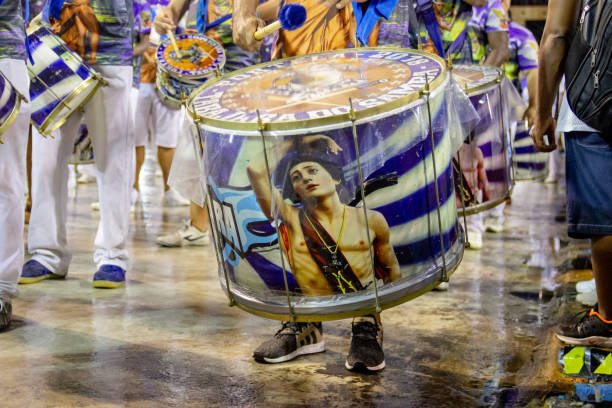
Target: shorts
151,116
589,186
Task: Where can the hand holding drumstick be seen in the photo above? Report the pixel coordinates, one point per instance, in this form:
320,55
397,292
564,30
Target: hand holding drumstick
166,23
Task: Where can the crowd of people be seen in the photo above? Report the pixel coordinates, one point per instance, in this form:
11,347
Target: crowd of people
117,39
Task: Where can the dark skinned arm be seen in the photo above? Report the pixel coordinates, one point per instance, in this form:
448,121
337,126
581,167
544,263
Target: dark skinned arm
560,19
498,41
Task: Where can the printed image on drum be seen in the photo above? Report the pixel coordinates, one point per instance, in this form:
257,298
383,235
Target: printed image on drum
60,81
293,233
529,163
201,58
483,164
10,102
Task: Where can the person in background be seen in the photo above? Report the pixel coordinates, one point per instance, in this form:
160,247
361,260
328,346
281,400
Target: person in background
12,156
588,157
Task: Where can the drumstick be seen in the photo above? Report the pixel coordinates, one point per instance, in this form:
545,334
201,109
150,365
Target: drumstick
170,34
290,17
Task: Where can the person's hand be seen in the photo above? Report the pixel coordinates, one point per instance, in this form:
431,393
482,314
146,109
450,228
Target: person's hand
530,115
339,4
243,28
544,126
312,142
163,23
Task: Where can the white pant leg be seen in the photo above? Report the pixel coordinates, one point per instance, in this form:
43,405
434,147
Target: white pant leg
13,182
107,115
167,124
47,234
143,114
475,223
497,212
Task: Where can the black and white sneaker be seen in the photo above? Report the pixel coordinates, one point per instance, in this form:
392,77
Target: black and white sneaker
5,313
292,340
366,352
587,329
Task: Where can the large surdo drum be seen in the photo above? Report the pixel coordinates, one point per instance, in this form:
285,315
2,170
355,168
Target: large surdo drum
485,179
290,149
10,102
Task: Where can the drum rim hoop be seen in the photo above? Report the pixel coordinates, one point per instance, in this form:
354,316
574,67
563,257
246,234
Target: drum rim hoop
52,116
165,99
313,123
475,209
213,68
434,279
13,114
477,90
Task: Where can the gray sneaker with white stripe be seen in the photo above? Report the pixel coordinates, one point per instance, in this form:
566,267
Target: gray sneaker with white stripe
292,340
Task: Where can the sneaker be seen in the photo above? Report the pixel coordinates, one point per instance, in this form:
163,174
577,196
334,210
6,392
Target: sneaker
585,286
442,287
6,311
109,277
174,199
588,329
494,224
475,239
366,352
33,271
186,235
292,340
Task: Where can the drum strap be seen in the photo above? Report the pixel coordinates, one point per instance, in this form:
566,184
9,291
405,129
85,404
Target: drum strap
332,263
425,9
368,19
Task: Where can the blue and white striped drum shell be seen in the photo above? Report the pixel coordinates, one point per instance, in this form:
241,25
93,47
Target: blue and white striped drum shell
10,102
488,140
60,81
307,98
529,163
202,58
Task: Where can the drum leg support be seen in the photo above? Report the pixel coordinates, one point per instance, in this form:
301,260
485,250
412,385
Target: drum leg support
426,93
282,257
507,152
365,208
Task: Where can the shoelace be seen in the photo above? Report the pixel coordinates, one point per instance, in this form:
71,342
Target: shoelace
365,329
287,326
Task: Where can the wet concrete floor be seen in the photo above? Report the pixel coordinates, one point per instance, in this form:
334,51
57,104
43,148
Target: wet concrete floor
169,339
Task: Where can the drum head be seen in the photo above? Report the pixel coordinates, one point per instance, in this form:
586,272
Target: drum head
200,56
476,78
317,90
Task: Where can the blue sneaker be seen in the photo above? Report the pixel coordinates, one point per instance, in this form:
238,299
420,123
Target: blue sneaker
33,271
109,277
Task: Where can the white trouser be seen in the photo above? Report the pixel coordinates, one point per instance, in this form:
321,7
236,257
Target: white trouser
152,116
475,223
107,116
497,212
13,181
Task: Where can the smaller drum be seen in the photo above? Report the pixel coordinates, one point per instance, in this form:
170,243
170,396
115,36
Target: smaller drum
60,81
201,58
485,179
10,102
529,163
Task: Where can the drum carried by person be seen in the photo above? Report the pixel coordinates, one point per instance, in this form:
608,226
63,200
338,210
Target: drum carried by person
483,166
200,59
329,180
60,81
10,102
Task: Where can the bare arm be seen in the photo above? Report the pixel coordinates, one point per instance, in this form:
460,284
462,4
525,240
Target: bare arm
141,47
498,41
268,11
560,19
383,250
532,88
244,24
169,17
260,182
